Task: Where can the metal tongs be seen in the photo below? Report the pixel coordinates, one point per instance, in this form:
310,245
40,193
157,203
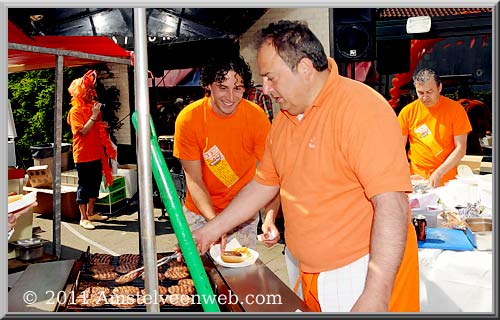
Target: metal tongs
134,274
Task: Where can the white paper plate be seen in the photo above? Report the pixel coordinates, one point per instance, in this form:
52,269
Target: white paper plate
25,201
215,253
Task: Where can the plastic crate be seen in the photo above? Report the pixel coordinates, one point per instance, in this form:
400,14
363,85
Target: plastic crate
118,183
69,177
113,197
111,208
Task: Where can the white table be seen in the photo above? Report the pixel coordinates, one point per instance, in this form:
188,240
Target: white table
456,281
450,281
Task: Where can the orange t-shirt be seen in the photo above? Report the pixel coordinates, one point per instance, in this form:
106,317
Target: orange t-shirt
345,150
85,148
431,133
228,147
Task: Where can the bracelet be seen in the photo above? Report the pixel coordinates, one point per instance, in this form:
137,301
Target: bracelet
92,119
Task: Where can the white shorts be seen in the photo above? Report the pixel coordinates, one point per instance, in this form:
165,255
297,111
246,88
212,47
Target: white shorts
339,289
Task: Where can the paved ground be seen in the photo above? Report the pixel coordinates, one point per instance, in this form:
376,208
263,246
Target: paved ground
120,234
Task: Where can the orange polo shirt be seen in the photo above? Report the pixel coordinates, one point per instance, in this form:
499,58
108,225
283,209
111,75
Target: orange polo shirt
238,140
431,133
345,150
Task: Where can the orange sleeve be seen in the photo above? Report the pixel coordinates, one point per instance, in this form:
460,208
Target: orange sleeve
186,146
76,120
261,134
378,171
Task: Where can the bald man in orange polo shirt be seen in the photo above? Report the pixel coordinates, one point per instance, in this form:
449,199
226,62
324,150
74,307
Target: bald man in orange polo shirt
335,156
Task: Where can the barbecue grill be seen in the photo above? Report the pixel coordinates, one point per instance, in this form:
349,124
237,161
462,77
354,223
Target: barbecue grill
81,277
255,280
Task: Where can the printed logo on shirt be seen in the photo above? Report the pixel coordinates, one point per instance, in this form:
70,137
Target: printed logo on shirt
218,165
312,143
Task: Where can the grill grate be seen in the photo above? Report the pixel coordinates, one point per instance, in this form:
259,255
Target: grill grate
81,278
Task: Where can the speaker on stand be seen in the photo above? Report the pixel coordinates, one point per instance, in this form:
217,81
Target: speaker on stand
353,36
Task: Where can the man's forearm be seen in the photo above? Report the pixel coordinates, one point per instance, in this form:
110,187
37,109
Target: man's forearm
201,199
388,241
247,202
451,161
271,209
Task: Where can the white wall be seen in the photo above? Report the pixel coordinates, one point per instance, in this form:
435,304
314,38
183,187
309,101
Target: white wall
120,80
317,19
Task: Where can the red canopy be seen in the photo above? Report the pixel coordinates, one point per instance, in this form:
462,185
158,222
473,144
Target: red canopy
26,60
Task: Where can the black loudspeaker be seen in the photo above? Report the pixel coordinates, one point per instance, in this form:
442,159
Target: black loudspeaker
354,34
393,56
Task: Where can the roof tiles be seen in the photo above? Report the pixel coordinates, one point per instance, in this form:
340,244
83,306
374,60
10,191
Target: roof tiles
401,13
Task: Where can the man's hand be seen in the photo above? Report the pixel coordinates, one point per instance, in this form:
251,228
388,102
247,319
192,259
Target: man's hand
204,237
96,109
435,179
223,242
269,230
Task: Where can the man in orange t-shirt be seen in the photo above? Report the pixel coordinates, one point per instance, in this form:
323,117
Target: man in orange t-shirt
436,128
334,154
219,139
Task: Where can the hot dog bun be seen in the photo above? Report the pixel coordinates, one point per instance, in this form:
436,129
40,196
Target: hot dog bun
237,255
15,198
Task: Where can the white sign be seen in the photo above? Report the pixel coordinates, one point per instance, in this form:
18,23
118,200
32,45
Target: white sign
420,24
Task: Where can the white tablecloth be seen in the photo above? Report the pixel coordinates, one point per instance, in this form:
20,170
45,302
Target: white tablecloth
456,281
450,281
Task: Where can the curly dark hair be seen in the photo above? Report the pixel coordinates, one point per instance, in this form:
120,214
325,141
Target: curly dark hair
426,74
216,69
293,40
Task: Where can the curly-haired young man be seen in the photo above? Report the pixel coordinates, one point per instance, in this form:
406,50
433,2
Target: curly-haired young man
219,139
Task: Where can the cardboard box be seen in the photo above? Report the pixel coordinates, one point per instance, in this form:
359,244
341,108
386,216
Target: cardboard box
474,162
50,160
486,167
44,197
39,176
129,171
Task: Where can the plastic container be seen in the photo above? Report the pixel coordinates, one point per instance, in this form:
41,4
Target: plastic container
46,150
44,154
430,212
482,230
484,240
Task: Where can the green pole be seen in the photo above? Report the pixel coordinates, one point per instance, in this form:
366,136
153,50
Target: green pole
171,201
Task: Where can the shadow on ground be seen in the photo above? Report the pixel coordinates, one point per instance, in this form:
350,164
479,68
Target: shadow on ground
118,222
